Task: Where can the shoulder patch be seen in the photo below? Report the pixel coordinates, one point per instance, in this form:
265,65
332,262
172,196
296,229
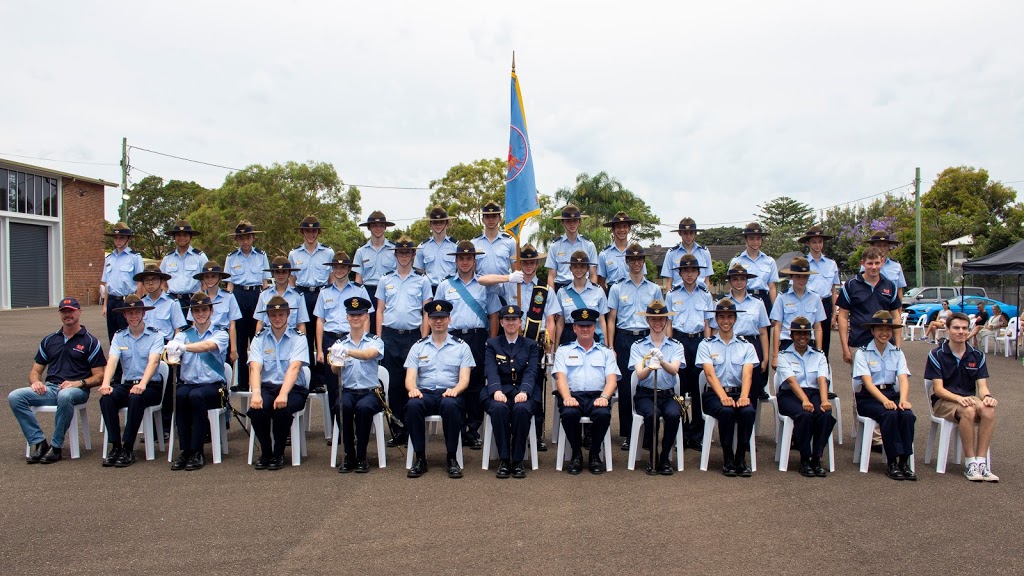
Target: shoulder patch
704,288
674,340
424,339
257,250
262,331
197,252
151,329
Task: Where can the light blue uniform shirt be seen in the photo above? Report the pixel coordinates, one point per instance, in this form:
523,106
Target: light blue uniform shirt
788,306
585,370
561,250
437,368
330,305
194,369
676,254
670,348
403,299
750,318
275,356
225,310
805,368
628,298
182,268
463,317
375,263
298,313
563,303
119,269
166,315
361,374
611,265
247,270
690,308
883,368
497,256
437,260
763,267
312,269
728,359
134,352
827,276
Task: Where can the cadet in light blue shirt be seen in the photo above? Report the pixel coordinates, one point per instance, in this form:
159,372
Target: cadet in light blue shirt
581,293
375,259
246,265
797,301
803,396
562,249
687,233
182,263
611,262
497,248
764,273
225,308
165,314
119,270
432,256
297,317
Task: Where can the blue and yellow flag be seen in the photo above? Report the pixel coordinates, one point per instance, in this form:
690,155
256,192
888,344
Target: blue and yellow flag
520,183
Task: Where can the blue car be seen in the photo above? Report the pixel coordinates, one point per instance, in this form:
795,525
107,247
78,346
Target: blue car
966,304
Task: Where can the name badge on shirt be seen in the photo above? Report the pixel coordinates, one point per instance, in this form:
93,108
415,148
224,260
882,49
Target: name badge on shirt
423,357
500,357
298,262
268,351
561,253
122,347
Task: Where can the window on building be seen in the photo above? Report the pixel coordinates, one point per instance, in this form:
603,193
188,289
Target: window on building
28,193
3,189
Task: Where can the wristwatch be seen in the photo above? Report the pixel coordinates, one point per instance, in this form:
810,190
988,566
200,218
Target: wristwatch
605,396
84,385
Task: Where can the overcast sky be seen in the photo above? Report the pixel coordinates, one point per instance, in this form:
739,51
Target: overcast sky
703,109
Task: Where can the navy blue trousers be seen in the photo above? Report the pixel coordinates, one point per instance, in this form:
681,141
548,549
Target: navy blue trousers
121,397
358,408
668,409
810,429
268,419
245,329
511,423
396,350
743,418
432,404
601,416
191,403
896,426
690,380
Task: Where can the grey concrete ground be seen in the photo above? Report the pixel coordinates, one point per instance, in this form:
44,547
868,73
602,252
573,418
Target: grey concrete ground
77,517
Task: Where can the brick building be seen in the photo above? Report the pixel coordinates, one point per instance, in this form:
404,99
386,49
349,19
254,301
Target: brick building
51,235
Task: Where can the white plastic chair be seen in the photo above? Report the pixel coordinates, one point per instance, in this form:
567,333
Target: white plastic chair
1006,337
784,431
638,423
79,415
298,431
946,431
922,325
710,422
149,420
491,445
378,425
218,427
863,429
564,454
322,398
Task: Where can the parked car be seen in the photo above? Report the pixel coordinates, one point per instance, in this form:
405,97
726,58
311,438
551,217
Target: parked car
936,294
966,304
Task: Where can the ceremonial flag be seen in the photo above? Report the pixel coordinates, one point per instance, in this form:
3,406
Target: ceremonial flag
520,183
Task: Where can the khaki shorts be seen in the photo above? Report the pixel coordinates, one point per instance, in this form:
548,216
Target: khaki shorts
946,409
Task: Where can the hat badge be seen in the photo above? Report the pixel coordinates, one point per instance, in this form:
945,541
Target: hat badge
437,308
511,310
584,315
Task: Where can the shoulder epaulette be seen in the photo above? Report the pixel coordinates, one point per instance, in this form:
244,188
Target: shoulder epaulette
424,339
505,235
564,345
418,271
452,240
235,251
297,247
582,237
738,254
373,337
257,250
197,251
151,329
699,287
674,340
459,340
864,348
121,330
818,350
709,339
264,329
449,277
608,247
354,283
897,348
424,243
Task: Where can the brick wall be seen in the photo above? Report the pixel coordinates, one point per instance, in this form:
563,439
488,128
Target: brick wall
83,239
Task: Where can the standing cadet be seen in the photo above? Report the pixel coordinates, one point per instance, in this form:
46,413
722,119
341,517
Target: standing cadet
437,373
433,257
138,350
473,319
119,270
803,396
310,277
562,249
728,363
611,263
581,293
752,323
511,363
860,298
687,245
282,270
797,301
762,283
332,321
182,263
497,248
824,284
656,352
375,258
355,358
225,307
400,323
891,269
586,377
167,317
689,302
279,389
247,267
626,301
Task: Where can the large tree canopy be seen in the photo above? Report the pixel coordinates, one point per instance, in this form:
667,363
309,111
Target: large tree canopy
152,207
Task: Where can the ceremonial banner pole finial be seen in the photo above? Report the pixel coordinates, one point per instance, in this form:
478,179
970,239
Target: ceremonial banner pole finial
513,61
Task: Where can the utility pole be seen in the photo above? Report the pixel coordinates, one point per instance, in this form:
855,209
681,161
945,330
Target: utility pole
122,210
917,223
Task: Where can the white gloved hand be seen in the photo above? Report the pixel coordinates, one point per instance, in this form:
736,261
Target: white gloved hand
516,277
174,350
336,354
653,363
656,353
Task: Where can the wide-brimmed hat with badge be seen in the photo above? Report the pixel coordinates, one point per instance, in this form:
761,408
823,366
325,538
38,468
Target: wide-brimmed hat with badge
801,324
725,305
881,236
738,270
620,218
377,217
119,229
510,311
634,250
181,226
585,316
466,248
211,267
798,266
491,207
529,253
437,309
882,318
404,243
132,302
437,214
580,257
570,212
277,303
151,270
814,232
688,225
357,305
656,309
199,300
281,264
341,258
754,228
244,227
310,223
688,261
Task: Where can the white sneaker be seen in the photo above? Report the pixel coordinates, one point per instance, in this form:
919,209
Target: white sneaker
973,473
987,474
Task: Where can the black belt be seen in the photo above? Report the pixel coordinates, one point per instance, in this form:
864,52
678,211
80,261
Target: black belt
114,297
309,288
687,335
180,295
248,288
467,331
219,383
634,332
137,382
758,292
884,386
400,331
338,335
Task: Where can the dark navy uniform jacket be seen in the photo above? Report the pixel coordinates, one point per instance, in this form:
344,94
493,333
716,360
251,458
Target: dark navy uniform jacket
502,358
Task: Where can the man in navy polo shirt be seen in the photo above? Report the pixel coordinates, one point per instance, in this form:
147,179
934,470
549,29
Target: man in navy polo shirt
860,298
74,361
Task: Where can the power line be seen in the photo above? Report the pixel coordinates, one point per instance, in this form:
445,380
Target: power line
56,160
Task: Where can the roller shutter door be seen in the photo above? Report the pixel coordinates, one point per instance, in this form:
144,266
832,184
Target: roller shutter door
30,278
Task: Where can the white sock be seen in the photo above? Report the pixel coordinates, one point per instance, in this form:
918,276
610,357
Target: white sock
974,461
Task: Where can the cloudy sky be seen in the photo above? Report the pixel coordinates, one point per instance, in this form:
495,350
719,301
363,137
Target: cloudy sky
703,109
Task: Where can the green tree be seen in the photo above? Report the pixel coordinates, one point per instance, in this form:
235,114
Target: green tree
963,200
600,197
152,207
721,236
851,225
786,219
465,188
